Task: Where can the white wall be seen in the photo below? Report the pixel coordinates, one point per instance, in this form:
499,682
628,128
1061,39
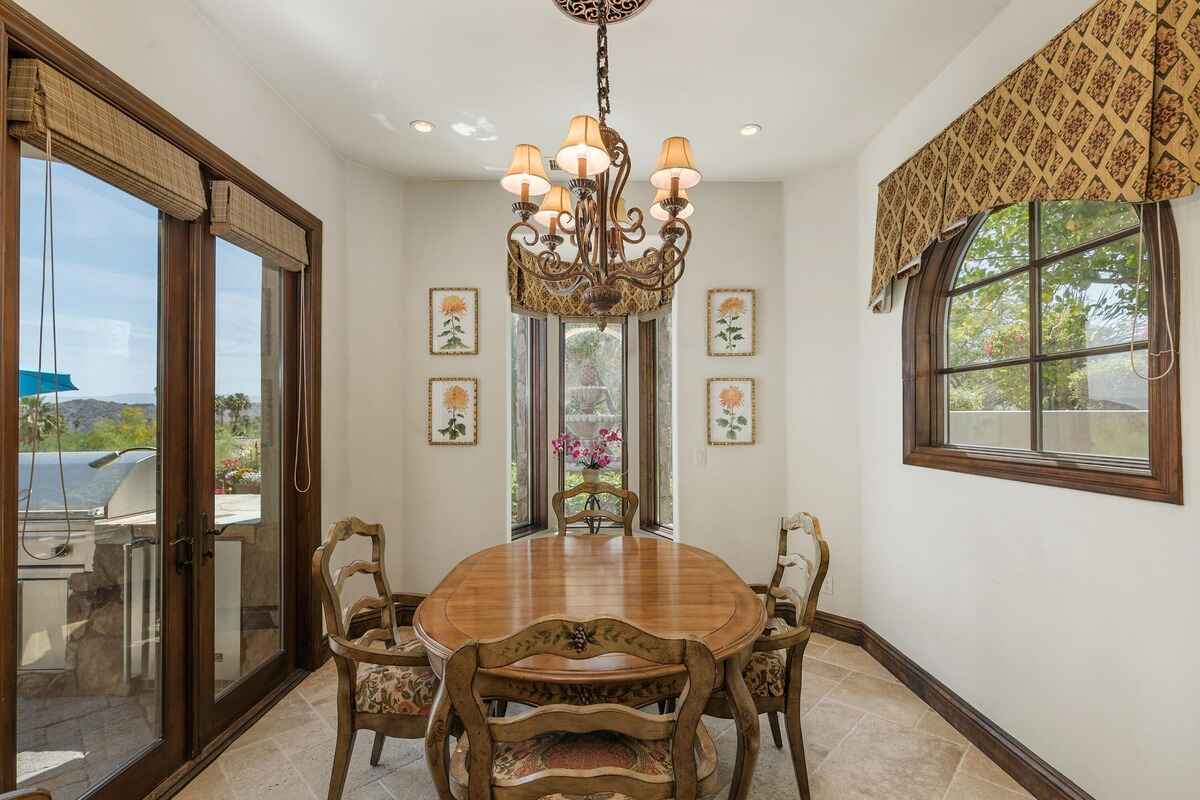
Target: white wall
1066,617
822,370
170,52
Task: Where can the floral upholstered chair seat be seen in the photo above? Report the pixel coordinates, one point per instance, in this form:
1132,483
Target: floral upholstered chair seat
397,690
515,762
766,674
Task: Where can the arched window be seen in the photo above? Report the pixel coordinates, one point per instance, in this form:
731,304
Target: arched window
1037,348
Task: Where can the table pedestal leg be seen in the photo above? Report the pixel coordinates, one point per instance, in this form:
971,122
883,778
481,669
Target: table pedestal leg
437,743
745,718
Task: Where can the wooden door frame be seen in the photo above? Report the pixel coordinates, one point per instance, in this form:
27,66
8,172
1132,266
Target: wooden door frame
23,34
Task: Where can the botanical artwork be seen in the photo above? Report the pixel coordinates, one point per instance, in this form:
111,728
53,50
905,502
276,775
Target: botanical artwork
454,322
732,411
731,322
453,411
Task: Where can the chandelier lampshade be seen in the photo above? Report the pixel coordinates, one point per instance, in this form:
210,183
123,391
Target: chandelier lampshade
526,176
583,153
659,212
556,201
675,160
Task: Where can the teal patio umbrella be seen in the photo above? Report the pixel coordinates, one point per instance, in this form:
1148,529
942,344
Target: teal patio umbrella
45,382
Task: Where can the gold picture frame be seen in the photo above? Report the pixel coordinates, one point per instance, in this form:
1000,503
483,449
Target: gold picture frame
454,315
455,411
725,331
731,423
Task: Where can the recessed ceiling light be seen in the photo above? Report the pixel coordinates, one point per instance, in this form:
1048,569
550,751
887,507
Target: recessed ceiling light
750,129
421,126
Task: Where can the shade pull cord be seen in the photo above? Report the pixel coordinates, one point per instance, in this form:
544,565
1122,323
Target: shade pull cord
36,420
302,402
1166,309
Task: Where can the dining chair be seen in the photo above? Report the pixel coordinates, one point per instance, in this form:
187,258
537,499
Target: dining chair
578,750
775,671
393,694
595,516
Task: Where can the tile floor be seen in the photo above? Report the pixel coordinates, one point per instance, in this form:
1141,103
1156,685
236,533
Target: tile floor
867,736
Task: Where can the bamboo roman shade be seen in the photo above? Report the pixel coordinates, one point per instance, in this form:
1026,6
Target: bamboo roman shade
241,218
1108,110
89,133
532,294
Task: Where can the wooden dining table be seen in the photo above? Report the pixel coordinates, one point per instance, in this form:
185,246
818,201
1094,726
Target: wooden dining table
668,589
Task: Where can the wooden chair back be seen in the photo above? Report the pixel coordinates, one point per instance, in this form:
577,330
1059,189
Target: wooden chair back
338,612
808,549
629,502
576,640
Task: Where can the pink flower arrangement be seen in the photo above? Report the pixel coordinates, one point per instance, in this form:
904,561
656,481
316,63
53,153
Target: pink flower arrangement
592,454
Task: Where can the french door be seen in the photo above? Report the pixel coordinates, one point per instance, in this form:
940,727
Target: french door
156,591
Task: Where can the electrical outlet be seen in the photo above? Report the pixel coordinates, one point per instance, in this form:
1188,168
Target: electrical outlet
827,588
700,457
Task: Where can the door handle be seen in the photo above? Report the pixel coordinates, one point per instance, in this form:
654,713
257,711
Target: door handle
208,534
183,546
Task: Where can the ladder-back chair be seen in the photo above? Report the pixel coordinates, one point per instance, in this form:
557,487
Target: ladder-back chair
610,747
394,692
593,514
774,674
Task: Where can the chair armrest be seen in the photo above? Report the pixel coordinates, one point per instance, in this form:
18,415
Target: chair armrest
366,655
26,794
782,640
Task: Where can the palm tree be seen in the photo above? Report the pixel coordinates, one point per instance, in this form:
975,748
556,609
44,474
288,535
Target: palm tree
237,404
37,421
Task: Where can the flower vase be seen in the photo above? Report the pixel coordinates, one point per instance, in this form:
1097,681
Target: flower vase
591,476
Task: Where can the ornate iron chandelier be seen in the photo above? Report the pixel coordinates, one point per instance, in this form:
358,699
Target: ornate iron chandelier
593,213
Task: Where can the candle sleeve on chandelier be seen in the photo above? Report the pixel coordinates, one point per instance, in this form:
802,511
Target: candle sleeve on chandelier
526,176
583,151
675,160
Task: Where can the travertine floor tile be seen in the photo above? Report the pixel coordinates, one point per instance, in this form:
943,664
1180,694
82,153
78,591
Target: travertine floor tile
977,765
856,659
813,690
827,724
208,785
823,669
933,723
881,760
891,701
966,787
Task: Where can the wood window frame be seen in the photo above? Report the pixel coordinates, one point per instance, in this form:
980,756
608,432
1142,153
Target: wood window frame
648,508
924,325
539,444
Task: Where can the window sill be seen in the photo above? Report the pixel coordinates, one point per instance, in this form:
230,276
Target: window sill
663,531
526,530
1142,484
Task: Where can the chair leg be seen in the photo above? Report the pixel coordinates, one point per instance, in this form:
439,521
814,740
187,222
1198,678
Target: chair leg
773,717
343,749
377,748
791,718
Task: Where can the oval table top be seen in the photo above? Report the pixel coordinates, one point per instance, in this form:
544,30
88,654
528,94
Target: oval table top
670,590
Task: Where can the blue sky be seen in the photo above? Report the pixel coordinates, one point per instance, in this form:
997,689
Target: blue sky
106,256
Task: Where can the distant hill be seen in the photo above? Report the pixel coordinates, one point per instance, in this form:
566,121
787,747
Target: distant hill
82,415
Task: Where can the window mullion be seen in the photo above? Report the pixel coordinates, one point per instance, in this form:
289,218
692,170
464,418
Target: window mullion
1035,329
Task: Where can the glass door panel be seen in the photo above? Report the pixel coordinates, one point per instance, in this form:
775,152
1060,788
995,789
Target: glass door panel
246,546
91,546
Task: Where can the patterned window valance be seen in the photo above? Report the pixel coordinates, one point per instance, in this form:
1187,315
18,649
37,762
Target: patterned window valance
251,224
532,294
91,134
1108,110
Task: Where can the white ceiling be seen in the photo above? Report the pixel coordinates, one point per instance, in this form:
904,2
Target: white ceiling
820,76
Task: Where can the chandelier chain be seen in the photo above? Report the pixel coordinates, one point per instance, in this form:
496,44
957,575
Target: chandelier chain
602,88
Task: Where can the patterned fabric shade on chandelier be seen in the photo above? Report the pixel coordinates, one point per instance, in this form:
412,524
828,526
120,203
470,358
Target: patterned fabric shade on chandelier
1108,110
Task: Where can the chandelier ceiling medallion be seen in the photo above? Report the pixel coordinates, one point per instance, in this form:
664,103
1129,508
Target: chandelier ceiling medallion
593,213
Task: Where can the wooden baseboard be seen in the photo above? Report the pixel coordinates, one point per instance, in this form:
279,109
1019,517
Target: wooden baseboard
1022,764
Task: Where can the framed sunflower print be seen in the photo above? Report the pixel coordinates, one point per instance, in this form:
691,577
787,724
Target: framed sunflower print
732,411
453,415
732,322
454,322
